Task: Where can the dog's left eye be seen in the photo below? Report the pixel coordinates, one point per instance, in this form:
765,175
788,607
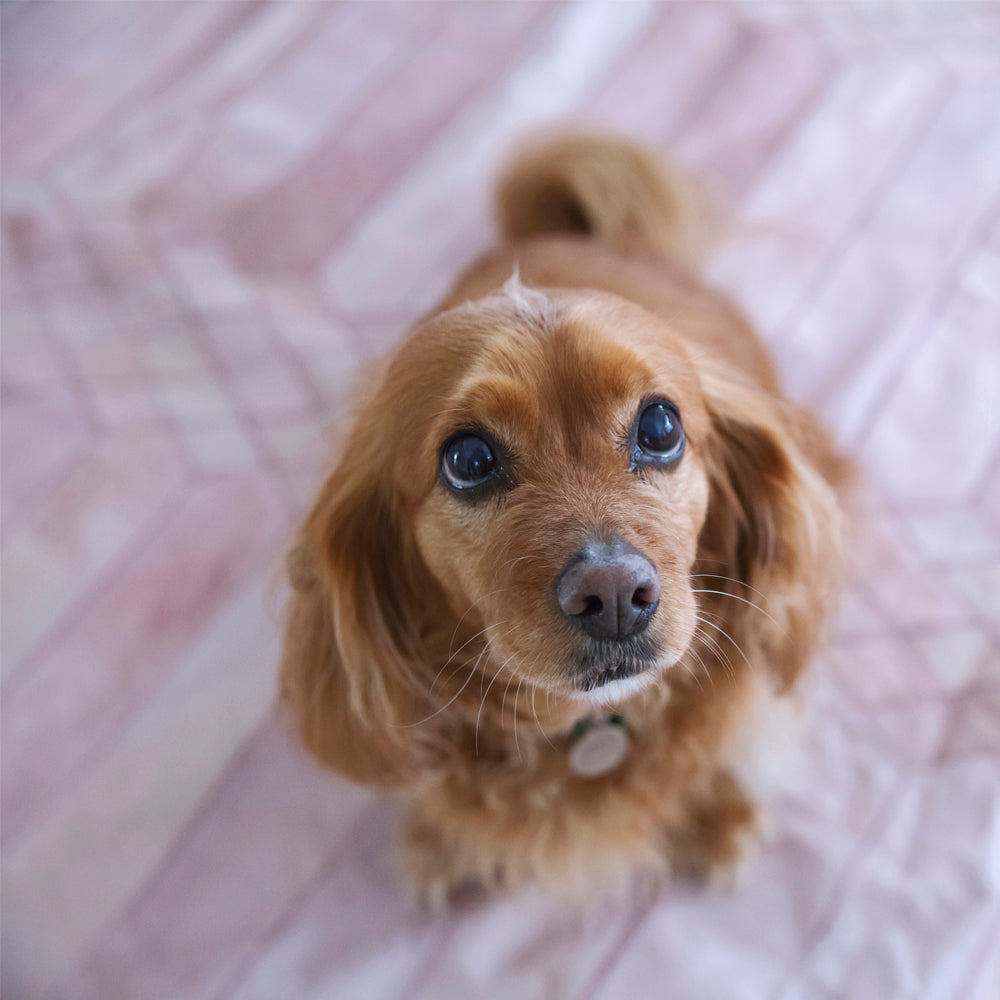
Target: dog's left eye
659,434
467,461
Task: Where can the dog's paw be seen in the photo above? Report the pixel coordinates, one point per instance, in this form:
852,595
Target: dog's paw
444,893
734,868
434,878
722,841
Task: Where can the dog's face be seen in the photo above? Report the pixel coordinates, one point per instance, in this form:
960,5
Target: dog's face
557,487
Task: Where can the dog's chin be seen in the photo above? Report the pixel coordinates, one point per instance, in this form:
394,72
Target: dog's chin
619,678
617,690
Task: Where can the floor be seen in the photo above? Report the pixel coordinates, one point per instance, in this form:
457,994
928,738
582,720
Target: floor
213,214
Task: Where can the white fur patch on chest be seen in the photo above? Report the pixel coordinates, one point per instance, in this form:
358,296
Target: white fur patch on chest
765,753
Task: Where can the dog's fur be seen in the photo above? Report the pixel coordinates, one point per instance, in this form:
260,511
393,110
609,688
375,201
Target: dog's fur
426,649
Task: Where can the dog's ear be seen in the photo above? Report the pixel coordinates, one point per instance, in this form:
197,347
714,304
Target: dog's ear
353,638
773,520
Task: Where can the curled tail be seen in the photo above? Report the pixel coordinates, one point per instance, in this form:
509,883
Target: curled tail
604,187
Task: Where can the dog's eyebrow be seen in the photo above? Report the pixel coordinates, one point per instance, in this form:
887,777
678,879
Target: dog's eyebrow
498,406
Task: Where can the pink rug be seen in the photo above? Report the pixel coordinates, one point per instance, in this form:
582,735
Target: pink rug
213,213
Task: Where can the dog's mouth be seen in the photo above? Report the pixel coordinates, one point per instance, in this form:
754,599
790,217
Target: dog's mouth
606,664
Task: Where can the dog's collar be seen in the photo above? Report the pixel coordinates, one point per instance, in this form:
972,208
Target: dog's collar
598,746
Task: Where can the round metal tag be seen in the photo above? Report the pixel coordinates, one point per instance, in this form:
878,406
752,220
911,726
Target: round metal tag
599,750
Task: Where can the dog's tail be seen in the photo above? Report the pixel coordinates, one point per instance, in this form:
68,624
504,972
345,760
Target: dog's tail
604,187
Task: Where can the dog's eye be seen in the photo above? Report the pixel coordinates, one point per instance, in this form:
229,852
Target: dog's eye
467,461
659,434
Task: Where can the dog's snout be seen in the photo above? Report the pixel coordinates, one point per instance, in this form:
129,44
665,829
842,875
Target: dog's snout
611,592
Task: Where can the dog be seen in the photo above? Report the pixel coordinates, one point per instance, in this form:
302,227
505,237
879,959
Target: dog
575,555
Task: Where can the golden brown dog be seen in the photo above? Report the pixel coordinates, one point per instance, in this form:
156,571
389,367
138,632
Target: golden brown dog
575,554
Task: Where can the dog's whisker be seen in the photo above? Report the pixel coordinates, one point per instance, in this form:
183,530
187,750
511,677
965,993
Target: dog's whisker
517,692
503,701
705,636
691,673
545,735
724,664
461,666
459,650
458,624
704,666
510,631
697,679
720,653
479,714
690,669
472,673
451,641
714,615
736,597
731,579
732,640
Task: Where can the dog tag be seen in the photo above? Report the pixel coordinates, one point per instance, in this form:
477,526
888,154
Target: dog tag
599,750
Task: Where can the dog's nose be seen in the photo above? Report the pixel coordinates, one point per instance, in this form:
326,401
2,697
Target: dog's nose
610,591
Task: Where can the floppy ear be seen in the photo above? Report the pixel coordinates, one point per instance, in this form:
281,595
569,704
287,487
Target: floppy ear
773,520
353,645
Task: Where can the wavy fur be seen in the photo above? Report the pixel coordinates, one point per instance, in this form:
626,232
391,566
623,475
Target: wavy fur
424,649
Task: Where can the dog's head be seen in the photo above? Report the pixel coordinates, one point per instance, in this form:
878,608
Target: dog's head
568,488
536,475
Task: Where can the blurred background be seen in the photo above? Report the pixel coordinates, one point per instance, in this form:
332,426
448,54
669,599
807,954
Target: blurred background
213,214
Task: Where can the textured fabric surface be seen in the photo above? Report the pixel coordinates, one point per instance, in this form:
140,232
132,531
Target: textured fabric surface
213,215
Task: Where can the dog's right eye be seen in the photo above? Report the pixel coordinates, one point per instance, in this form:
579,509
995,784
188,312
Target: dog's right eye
467,461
